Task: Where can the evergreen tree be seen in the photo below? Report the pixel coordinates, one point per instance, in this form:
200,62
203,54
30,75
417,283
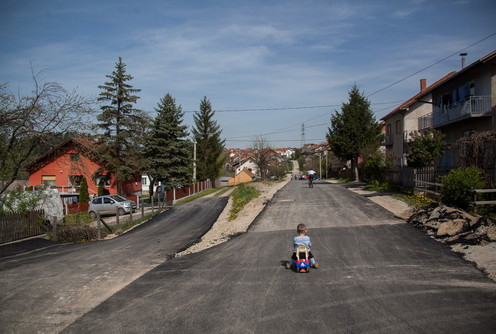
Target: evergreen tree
84,196
167,150
101,188
122,125
354,130
210,147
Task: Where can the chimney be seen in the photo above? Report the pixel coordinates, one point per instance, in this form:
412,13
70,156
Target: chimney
423,84
463,55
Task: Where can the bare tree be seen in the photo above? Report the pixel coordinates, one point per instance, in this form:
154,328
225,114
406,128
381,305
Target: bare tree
262,151
27,123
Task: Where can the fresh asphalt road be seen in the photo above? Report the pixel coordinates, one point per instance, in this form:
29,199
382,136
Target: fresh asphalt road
46,289
377,275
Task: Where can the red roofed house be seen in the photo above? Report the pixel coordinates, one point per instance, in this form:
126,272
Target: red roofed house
415,114
64,166
242,177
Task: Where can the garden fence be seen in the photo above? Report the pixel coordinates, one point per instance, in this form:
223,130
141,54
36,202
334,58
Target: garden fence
16,226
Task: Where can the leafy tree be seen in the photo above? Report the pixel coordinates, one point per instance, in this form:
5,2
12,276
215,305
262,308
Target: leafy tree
209,145
123,126
262,151
167,150
84,195
27,123
424,147
354,130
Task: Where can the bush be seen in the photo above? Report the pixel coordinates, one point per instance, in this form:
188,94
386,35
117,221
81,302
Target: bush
80,233
457,187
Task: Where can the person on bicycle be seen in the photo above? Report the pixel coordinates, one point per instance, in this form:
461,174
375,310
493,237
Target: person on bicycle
311,176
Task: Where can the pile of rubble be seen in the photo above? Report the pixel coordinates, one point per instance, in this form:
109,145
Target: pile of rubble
450,225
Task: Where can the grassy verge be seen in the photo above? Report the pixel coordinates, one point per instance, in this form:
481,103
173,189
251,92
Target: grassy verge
241,196
195,196
383,187
126,225
412,200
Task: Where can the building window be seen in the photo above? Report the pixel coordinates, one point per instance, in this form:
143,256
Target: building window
48,180
398,127
74,156
143,180
75,180
388,129
106,180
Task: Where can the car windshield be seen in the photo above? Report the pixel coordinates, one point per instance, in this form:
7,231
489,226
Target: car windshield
118,198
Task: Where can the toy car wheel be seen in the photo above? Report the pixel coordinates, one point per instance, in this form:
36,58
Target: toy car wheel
92,214
122,212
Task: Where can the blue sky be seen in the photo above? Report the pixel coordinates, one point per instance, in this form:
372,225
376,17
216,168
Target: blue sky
254,60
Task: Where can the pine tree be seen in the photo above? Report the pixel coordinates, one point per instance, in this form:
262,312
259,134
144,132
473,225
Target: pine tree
167,150
354,130
122,125
210,147
84,196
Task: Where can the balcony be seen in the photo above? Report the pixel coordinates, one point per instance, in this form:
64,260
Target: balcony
474,106
425,122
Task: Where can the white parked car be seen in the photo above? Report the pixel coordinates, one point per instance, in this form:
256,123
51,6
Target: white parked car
109,205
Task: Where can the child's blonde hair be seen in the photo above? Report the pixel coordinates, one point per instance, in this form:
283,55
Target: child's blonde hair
301,228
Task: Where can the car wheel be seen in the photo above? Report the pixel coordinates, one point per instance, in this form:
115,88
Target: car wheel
92,214
122,212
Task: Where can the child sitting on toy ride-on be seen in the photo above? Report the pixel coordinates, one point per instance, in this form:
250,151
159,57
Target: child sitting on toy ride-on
302,240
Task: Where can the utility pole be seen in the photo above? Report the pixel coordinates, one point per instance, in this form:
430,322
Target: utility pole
320,165
194,159
302,135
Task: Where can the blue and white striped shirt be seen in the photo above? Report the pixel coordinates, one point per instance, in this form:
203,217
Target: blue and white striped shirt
302,240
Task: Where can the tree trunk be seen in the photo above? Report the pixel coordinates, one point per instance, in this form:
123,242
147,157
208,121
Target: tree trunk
354,166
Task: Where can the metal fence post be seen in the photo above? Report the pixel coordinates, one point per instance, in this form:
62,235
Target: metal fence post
98,226
117,220
142,210
54,228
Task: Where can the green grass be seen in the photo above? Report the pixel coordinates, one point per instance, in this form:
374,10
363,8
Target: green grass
198,195
126,225
241,196
77,219
412,200
384,187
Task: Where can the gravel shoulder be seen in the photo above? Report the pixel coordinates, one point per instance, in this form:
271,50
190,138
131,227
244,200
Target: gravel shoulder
484,257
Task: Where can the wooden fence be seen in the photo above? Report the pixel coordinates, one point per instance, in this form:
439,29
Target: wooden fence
15,227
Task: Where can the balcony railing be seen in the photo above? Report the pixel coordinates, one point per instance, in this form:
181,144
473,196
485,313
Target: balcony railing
474,106
425,122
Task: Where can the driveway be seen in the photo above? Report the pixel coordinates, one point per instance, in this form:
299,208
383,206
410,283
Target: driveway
377,275
47,286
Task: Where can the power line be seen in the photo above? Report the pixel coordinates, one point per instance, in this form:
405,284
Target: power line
433,64
286,108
